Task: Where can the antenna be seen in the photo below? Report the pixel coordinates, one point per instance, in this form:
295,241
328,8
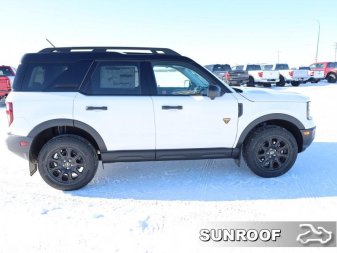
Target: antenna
50,42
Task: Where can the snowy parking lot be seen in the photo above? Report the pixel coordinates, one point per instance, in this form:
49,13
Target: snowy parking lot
158,206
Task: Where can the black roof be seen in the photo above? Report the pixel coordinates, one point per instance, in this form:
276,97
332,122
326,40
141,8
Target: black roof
101,53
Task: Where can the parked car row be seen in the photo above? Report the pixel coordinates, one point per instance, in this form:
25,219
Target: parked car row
279,74
7,75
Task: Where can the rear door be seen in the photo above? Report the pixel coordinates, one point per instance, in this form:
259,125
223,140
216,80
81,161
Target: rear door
113,102
185,117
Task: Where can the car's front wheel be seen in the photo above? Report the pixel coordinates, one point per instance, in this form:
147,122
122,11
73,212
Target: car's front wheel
67,162
270,151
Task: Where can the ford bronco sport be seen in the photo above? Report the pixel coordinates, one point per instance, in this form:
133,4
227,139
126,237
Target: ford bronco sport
73,107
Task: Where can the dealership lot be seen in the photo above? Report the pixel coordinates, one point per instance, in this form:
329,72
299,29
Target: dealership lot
157,204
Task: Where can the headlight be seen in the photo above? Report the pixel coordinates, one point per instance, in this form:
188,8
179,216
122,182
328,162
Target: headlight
308,111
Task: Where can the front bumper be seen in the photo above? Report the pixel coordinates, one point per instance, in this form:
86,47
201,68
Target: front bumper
308,135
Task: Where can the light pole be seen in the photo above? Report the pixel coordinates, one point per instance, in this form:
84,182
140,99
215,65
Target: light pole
318,34
278,56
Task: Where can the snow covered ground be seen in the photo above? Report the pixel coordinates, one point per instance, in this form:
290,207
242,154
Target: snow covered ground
158,206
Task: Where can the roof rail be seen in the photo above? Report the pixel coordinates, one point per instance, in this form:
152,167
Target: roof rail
122,50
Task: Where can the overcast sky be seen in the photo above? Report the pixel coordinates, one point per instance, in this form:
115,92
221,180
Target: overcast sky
209,31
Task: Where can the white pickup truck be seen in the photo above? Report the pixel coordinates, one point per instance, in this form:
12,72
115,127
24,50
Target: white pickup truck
287,75
257,75
315,75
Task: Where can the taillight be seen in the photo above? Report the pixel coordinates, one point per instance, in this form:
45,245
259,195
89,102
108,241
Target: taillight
6,83
9,112
261,74
227,76
311,73
9,84
291,73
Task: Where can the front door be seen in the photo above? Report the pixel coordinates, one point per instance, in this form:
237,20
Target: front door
185,117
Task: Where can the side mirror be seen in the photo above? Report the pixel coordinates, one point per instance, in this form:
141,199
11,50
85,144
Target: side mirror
213,91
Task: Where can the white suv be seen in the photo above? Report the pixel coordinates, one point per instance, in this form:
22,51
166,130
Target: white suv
71,107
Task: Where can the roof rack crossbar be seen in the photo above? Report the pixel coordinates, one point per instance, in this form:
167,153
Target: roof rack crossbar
124,50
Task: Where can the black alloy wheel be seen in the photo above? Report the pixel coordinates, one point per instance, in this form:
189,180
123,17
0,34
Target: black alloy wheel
67,162
270,151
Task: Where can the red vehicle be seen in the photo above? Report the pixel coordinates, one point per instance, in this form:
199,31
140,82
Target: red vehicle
329,68
7,75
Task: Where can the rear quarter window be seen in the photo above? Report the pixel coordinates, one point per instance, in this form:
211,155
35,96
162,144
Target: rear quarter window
54,76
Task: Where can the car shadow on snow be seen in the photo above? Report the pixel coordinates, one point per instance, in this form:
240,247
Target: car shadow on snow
313,175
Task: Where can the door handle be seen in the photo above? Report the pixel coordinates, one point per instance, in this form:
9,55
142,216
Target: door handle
171,107
92,108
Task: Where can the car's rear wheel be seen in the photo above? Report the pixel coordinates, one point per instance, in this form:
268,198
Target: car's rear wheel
270,151
251,82
282,81
295,83
331,78
67,162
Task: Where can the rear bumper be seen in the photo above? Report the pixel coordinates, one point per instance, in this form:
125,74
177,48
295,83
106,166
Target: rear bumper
315,79
308,135
267,81
238,81
19,145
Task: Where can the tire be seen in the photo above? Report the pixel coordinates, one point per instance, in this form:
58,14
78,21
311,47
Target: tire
282,82
270,151
295,83
251,82
67,162
331,78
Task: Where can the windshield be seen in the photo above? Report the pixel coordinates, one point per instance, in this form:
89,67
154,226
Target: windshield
221,67
267,67
253,67
281,67
6,71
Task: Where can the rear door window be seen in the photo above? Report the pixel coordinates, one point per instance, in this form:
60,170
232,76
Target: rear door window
114,78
